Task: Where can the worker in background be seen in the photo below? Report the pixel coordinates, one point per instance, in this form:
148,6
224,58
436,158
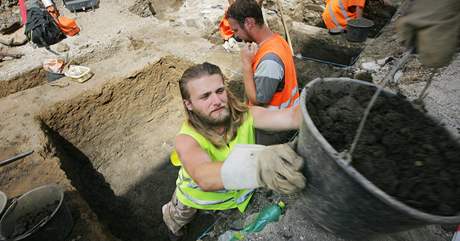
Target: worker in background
226,31
269,72
338,12
433,28
220,165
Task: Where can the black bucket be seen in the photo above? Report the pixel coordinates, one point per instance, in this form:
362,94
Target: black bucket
358,29
339,198
47,216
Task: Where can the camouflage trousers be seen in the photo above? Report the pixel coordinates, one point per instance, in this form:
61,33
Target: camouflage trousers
176,215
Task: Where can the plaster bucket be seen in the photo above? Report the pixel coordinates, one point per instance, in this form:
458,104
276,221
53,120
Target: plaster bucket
39,214
358,29
338,197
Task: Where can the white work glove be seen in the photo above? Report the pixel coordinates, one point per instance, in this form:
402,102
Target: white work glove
231,45
274,167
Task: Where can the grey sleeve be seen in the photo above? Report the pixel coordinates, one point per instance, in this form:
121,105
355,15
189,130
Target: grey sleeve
267,77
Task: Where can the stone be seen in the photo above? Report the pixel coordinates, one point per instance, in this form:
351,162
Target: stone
397,77
370,66
62,47
364,76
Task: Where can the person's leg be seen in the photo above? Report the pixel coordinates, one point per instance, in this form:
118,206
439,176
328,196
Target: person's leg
176,215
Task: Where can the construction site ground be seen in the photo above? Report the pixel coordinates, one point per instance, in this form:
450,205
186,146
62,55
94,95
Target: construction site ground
107,141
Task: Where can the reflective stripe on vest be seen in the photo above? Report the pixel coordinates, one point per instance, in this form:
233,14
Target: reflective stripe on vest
338,28
336,15
287,103
190,194
278,46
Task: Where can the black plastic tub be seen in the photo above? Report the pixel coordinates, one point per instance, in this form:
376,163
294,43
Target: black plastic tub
339,198
358,29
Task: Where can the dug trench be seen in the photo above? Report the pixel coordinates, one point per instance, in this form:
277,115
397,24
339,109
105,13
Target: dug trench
114,146
402,151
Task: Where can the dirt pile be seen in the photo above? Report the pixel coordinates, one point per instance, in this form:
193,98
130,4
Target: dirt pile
401,150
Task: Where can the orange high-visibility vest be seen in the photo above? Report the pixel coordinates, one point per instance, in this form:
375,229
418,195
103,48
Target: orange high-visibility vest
289,96
224,28
337,14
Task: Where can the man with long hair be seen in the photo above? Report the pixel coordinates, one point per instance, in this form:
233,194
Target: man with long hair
269,73
221,166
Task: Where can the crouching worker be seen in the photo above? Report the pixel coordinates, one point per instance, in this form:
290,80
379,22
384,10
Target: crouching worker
339,12
221,165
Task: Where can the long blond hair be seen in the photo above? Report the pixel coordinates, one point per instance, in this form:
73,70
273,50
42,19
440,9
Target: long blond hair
237,109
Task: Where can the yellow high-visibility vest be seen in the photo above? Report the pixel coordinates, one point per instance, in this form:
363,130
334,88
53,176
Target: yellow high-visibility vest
190,194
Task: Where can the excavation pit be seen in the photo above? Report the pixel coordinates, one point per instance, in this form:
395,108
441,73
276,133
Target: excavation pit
114,146
23,81
323,51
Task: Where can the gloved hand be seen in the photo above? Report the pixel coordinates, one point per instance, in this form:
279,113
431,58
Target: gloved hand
231,44
432,27
274,167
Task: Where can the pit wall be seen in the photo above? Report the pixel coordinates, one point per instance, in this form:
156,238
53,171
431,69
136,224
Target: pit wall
113,145
25,81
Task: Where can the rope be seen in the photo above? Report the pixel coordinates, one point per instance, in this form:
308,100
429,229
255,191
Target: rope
347,155
427,85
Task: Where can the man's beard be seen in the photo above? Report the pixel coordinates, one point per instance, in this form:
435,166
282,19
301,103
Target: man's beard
211,121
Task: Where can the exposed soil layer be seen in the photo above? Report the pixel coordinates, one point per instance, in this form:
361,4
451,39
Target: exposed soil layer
29,220
27,80
114,146
401,150
323,51
379,13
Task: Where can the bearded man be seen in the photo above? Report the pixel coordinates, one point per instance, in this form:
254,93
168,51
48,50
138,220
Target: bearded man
221,166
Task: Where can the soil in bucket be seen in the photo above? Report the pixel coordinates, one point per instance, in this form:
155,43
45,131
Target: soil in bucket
402,151
29,220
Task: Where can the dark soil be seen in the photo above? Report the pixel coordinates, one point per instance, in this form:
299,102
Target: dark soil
401,150
381,14
29,220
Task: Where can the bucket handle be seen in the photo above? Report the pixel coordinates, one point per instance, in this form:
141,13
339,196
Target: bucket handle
347,154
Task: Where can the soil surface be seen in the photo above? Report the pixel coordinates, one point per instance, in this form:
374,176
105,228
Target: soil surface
401,150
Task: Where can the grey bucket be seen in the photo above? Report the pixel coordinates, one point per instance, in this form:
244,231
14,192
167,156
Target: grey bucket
337,197
54,227
358,29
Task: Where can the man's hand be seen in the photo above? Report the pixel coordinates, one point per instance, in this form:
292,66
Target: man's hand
279,169
432,27
247,54
275,167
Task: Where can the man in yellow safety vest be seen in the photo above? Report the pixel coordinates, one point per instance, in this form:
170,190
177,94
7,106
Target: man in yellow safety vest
220,164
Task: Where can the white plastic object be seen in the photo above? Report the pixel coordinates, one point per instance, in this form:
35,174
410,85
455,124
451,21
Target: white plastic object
457,234
47,3
76,71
